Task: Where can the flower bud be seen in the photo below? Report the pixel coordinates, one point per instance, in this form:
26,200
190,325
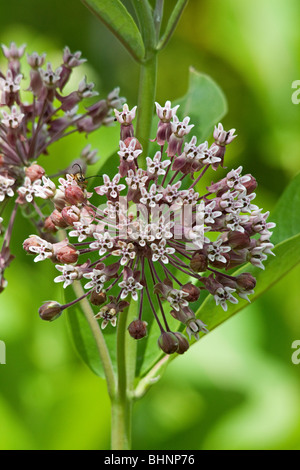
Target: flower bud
97,298
74,194
199,262
50,310
138,329
70,214
246,281
192,291
183,344
168,342
238,240
31,241
34,172
49,226
57,219
66,254
250,185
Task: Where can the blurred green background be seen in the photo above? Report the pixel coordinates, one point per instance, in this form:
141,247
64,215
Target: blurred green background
237,388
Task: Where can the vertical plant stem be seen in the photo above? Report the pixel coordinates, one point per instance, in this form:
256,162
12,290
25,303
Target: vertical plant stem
99,339
121,405
146,98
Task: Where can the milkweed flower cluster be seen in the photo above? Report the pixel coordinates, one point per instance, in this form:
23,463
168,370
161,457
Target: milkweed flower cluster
27,129
147,231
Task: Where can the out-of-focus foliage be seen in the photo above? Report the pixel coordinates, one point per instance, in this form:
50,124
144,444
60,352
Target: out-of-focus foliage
237,388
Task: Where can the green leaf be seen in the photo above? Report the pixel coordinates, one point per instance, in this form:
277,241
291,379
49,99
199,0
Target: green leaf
172,23
116,17
84,340
286,214
287,257
204,103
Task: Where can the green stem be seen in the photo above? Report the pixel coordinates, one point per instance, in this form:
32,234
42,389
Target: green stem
122,403
121,418
99,339
146,98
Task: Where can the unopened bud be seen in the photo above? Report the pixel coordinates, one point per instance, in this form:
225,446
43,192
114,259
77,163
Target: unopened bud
238,240
70,214
67,255
138,329
74,194
168,342
199,262
49,226
57,219
246,281
34,172
183,344
250,185
192,291
97,298
50,310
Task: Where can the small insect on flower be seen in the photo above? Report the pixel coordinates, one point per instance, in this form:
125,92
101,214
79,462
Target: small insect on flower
80,178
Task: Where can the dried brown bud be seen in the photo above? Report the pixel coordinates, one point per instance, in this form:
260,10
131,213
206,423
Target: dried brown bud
168,342
137,329
50,310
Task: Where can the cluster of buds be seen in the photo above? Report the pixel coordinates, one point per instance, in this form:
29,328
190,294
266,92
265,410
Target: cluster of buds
28,129
145,232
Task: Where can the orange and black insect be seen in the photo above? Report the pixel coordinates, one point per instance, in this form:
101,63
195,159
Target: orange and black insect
80,178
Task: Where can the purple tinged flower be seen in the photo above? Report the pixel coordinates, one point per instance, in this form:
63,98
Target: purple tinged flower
161,226
124,250
14,119
13,52
5,187
29,190
69,274
103,243
151,197
223,137
97,280
160,251
216,251
49,76
36,60
129,153
126,116
157,166
130,284
42,248
166,113
110,187
223,295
